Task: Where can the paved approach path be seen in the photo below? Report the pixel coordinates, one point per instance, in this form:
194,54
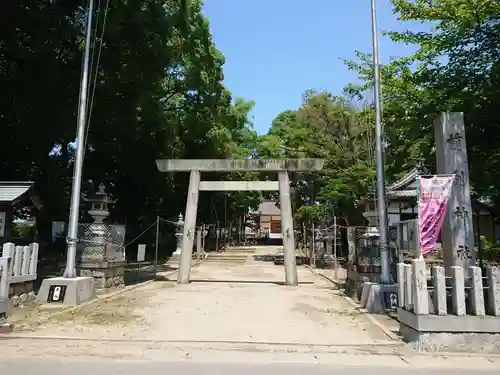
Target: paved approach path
245,304
234,317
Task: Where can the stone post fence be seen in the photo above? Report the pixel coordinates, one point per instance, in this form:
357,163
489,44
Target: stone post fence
459,311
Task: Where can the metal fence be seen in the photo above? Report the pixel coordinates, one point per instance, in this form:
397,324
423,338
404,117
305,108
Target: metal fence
364,247
403,236
101,242
364,253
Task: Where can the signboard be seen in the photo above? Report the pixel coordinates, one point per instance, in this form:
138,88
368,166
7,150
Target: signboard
391,301
57,293
141,253
433,195
59,230
3,216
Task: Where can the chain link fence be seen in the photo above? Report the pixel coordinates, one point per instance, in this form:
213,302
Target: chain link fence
404,236
101,242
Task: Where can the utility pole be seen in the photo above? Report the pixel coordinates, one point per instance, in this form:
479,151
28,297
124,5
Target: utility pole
156,242
71,240
335,247
313,247
379,138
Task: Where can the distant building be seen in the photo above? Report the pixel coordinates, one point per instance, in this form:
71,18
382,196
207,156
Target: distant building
268,220
16,195
402,206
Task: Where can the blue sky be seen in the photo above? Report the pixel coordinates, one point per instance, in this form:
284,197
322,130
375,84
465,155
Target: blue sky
277,49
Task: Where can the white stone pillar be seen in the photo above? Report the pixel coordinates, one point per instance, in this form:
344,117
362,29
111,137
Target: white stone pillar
287,230
458,290
198,243
439,283
189,228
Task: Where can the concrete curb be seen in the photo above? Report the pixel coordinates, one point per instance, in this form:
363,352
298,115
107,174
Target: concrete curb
333,281
365,313
203,343
98,299
372,319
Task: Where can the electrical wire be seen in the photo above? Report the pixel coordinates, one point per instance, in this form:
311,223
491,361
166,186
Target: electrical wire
95,69
139,236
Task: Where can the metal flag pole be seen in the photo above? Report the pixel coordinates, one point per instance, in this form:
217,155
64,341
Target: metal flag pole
70,271
379,133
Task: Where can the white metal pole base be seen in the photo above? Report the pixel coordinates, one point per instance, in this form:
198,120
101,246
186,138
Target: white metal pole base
66,291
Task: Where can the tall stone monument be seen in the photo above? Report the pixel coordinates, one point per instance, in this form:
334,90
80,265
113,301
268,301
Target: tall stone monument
451,155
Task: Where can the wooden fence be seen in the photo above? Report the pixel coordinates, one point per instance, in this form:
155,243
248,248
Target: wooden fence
18,264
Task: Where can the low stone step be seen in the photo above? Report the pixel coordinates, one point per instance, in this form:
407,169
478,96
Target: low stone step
226,261
227,258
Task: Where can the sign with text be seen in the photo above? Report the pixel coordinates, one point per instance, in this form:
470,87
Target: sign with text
3,216
390,301
57,293
433,195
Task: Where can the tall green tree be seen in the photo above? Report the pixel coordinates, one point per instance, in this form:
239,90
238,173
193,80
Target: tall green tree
156,92
328,127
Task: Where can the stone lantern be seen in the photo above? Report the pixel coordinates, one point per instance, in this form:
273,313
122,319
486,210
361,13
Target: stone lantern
369,256
99,256
179,231
95,236
205,233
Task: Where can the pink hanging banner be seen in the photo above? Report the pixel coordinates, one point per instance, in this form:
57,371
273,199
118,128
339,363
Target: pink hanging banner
433,195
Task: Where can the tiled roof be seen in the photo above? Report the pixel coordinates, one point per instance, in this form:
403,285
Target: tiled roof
402,193
11,190
407,179
269,208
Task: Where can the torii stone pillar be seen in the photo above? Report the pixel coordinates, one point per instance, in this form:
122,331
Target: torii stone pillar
196,166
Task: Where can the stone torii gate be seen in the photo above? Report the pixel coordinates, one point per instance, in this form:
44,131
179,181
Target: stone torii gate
196,166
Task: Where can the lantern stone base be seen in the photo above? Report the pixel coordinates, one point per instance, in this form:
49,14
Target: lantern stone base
356,279
175,258
105,274
378,298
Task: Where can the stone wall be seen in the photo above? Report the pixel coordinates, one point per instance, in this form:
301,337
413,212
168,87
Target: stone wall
105,274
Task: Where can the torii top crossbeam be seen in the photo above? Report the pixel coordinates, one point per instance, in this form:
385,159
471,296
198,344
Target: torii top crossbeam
236,165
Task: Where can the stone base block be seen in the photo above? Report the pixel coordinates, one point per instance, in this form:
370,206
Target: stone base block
77,290
450,333
17,289
376,298
488,343
6,328
105,274
5,307
355,280
174,259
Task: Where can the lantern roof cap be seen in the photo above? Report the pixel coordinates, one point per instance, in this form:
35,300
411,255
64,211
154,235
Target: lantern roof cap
100,196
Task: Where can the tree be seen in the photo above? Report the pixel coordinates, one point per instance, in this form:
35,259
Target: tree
156,92
328,127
